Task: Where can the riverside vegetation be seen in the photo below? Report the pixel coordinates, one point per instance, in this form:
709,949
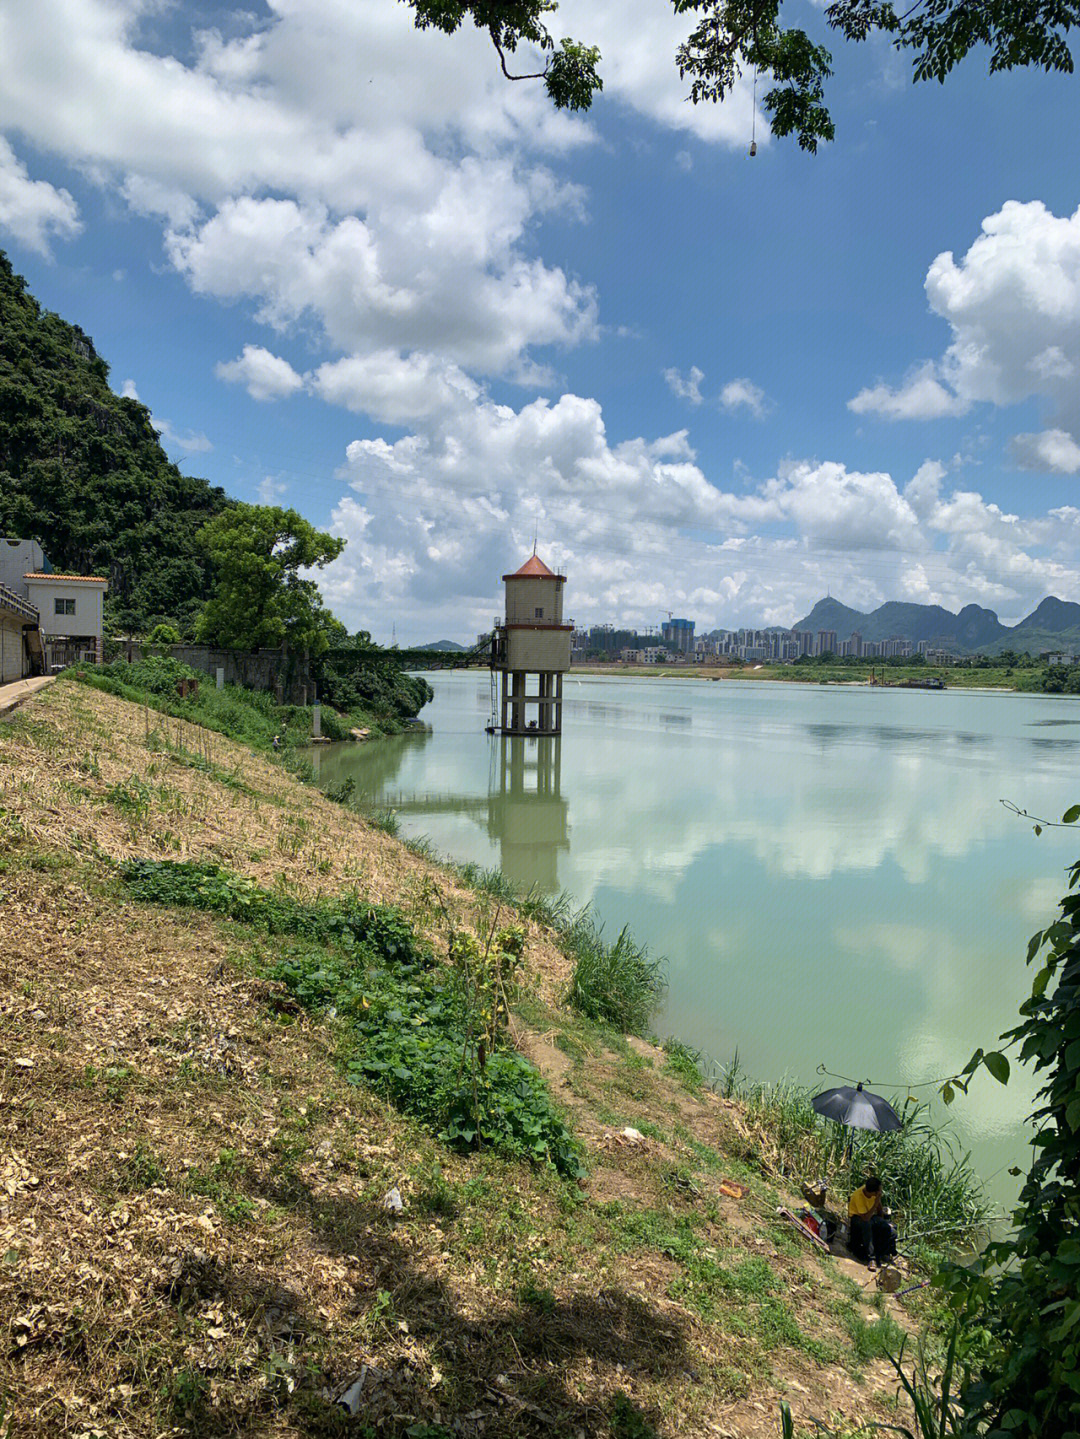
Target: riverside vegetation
1022,673
382,702
239,1015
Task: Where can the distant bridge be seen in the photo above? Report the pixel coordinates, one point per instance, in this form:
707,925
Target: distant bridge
412,659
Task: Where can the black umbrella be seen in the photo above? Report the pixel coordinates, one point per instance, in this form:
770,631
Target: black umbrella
857,1108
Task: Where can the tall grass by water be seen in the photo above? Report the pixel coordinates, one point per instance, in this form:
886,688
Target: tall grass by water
620,984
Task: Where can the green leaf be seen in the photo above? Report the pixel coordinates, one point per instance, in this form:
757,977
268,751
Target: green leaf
947,1093
1071,815
998,1065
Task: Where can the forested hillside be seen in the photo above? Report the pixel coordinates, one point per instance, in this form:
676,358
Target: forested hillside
82,472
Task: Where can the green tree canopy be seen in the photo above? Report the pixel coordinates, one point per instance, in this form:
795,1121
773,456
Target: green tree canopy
82,471
258,597
731,37
1018,1305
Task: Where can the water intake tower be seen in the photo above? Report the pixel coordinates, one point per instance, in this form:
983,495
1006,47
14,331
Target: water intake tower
532,640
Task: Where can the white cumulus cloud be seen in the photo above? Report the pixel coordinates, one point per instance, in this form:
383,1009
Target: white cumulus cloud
265,376
33,211
331,164
1012,303
193,442
922,396
743,395
395,389
434,517
1052,450
687,387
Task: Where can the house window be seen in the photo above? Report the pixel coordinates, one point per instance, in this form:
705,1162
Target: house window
539,614
63,607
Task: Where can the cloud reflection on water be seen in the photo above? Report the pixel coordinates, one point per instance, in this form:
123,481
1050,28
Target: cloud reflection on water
831,873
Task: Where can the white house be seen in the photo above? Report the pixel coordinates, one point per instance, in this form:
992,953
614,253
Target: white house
71,607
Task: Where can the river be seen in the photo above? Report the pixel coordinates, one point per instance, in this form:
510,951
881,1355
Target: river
828,869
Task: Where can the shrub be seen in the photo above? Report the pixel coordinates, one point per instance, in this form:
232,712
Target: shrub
162,636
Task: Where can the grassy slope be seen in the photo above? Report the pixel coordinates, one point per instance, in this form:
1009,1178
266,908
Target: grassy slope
191,1230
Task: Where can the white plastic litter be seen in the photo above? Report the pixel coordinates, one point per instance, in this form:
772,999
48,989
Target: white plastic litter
350,1400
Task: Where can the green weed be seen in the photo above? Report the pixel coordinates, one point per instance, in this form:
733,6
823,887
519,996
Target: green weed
538,1298
131,797
628,1422
684,1063
553,910
488,881
435,1196
141,1170
385,820
342,791
185,1398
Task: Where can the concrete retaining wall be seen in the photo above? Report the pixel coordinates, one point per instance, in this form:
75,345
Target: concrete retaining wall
286,676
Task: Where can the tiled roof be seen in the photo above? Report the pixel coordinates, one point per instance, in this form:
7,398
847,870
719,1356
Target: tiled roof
534,569
66,579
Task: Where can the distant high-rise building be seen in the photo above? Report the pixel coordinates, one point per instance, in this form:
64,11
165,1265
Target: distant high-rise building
680,634
825,642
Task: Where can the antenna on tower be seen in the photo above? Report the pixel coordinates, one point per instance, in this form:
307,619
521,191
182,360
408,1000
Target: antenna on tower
536,534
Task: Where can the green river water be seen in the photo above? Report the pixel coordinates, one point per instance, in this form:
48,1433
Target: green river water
828,869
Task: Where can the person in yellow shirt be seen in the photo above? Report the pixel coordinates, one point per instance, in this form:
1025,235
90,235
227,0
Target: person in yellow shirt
871,1237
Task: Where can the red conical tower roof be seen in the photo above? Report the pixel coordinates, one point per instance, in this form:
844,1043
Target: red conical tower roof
534,569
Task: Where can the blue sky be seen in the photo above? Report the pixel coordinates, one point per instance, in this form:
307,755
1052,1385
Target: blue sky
351,269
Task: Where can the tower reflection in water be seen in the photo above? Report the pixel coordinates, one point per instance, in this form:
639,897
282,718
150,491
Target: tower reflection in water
527,814
523,813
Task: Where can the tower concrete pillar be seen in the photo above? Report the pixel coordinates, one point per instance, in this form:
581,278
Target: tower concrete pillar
517,702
